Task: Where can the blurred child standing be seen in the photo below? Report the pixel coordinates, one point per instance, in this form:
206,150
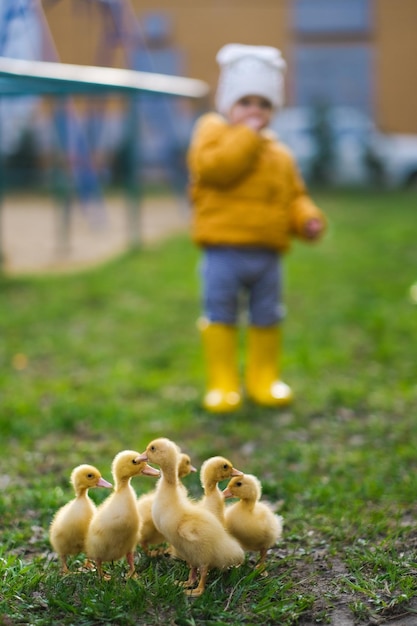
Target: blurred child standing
248,203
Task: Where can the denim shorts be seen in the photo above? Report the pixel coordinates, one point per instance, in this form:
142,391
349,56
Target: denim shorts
242,280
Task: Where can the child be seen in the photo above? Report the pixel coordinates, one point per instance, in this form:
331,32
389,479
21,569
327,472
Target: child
248,201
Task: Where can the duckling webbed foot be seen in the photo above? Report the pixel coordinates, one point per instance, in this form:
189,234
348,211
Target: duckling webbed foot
194,593
131,561
191,580
100,572
261,565
64,566
161,550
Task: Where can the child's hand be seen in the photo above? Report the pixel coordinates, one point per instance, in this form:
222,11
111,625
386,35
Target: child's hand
313,228
254,122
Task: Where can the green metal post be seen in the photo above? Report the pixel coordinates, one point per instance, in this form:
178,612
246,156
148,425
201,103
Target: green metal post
2,255
133,183
61,186
2,182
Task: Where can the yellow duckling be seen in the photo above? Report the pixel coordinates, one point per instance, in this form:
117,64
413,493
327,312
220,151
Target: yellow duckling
196,535
213,471
113,531
69,526
253,523
148,534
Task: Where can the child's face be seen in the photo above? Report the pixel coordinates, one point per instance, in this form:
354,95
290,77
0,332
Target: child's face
254,111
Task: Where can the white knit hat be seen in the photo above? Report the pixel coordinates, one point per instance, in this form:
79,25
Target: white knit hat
249,71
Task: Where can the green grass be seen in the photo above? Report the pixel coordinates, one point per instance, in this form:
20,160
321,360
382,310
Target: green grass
99,361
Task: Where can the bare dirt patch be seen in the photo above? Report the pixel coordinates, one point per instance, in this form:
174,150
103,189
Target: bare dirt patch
32,238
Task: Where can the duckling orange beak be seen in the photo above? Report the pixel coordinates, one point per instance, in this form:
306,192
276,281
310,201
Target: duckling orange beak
227,493
150,471
142,457
236,472
192,468
104,483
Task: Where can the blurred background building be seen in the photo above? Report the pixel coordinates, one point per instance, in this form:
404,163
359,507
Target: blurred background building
354,58
356,52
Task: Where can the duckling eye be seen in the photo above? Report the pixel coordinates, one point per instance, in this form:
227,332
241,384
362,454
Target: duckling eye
90,475
239,484
152,448
135,462
225,466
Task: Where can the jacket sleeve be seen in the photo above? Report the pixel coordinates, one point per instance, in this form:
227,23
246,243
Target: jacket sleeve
221,154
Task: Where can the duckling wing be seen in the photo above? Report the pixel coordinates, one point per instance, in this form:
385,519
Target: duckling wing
268,521
190,529
70,524
254,529
202,540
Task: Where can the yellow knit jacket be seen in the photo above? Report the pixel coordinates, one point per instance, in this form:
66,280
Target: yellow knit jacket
245,188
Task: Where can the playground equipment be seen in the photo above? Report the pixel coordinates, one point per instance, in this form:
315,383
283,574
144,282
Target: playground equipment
24,34
35,78
165,124
146,45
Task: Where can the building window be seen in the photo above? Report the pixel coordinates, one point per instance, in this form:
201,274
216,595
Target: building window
334,75
332,16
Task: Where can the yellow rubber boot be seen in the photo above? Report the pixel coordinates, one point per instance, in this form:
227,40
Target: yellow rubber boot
220,348
263,385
